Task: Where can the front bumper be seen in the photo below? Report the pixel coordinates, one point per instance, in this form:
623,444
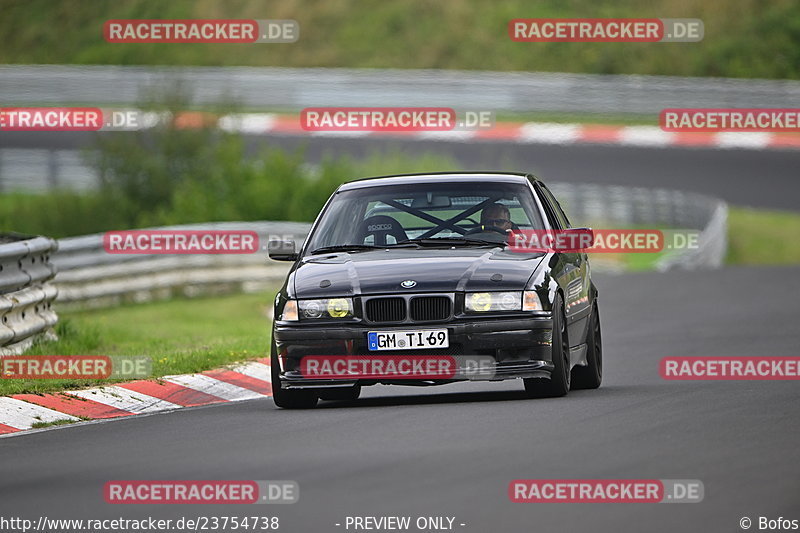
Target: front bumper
520,347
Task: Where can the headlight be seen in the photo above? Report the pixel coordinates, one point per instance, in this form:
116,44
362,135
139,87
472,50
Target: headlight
340,308
326,308
480,302
289,311
531,301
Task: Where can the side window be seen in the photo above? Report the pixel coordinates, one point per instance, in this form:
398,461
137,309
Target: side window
549,205
563,221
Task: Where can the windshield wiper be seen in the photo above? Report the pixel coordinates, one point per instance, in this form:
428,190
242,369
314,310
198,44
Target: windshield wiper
360,247
452,241
408,243
344,248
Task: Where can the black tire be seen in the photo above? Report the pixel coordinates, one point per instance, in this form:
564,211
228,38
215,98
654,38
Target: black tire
343,394
591,375
558,384
288,399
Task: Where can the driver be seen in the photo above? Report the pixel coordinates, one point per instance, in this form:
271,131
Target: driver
496,215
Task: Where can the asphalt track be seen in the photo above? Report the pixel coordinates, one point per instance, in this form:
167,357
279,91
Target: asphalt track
757,178
452,451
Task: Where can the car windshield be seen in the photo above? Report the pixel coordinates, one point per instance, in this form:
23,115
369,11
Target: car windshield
467,213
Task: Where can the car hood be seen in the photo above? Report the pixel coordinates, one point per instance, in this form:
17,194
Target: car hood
432,270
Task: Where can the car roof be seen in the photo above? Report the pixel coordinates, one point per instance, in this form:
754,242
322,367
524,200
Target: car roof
437,177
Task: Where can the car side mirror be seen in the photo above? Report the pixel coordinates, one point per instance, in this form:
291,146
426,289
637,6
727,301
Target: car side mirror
280,250
581,238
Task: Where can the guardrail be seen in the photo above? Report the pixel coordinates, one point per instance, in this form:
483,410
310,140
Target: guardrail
88,276
631,207
25,292
296,88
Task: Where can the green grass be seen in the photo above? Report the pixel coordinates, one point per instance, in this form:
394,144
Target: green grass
762,237
743,38
641,262
181,336
62,422
755,237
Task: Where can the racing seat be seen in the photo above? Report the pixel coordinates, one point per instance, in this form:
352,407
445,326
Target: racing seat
380,226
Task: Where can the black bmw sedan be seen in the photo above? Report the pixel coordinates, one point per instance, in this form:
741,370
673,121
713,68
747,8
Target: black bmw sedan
414,280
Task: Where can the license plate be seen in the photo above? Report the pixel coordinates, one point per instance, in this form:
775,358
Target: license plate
414,339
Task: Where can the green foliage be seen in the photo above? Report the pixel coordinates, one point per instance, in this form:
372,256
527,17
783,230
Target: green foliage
56,214
168,175
743,38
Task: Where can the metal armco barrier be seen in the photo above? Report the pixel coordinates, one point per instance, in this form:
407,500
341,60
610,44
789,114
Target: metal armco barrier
296,88
634,207
91,277
25,294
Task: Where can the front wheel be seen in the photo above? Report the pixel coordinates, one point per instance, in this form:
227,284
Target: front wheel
591,375
288,399
558,384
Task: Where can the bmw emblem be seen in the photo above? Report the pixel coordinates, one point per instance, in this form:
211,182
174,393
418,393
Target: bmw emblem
407,284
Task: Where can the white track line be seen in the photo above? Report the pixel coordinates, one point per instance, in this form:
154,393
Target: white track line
23,415
125,399
215,387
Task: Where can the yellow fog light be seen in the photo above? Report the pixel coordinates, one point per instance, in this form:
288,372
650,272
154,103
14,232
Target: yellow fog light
339,307
479,301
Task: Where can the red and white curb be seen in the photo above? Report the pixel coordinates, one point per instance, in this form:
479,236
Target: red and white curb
244,381
522,133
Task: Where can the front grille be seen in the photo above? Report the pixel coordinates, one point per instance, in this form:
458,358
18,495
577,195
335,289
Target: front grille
430,308
386,310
